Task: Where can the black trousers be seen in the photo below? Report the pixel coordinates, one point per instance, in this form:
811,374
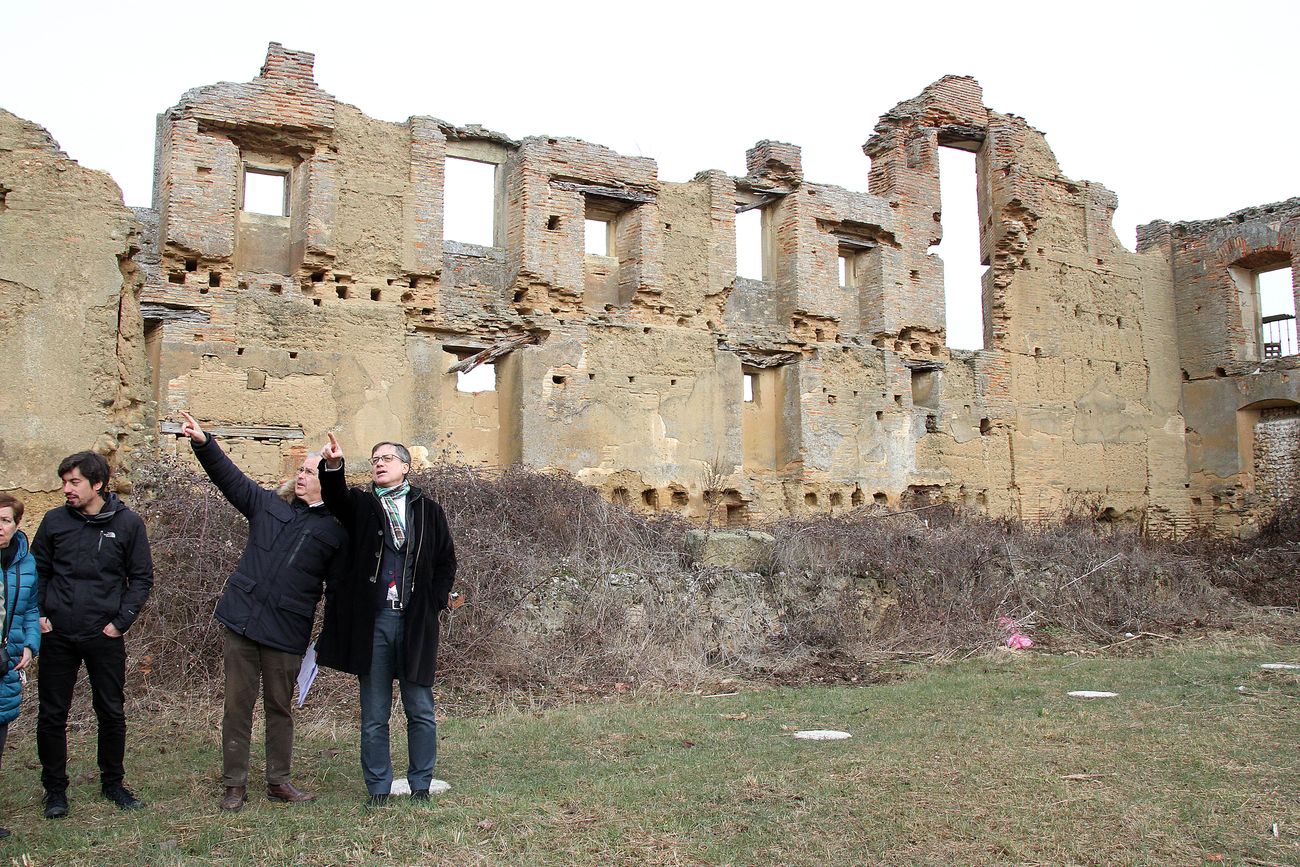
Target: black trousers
61,660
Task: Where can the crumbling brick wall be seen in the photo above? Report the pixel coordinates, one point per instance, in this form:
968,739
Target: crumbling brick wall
1237,466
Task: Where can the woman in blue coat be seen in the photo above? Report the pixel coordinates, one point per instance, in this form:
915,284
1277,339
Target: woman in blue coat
21,619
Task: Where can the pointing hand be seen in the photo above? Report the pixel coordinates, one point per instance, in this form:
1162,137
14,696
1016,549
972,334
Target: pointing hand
332,453
191,429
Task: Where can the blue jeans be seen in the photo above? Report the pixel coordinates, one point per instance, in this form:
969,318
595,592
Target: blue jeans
377,707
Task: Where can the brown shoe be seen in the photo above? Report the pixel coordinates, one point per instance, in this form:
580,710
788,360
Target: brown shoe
287,792
234,798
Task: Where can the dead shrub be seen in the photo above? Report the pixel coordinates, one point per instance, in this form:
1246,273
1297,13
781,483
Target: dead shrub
562,587
950,577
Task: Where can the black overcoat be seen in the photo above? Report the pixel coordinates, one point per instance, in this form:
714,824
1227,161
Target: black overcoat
347,638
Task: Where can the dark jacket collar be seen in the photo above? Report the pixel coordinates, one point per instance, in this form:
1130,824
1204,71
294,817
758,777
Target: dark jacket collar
112,505
17,549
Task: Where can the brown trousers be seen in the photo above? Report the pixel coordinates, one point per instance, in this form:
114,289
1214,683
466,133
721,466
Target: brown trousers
247,663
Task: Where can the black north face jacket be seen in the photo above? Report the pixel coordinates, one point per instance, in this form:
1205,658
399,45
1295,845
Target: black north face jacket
92,570
292,551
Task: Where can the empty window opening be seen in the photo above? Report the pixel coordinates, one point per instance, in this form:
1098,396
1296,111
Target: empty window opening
191,264
963,272
341,291
846,271
880,499
558,380
680,498
986,427
599,237
857,497
750,259
469,201
650,497
176,277
553,223
376,295
293,355
214,279
266,192
810,499
837,499
481,378
749,387
621,497
276,288
1277,313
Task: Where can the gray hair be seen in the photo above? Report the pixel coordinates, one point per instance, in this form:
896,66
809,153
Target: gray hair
397,447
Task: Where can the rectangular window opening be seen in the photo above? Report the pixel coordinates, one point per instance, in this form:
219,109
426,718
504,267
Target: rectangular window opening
266,192
751,262
469,201
749,388
963,273
846,270
599,236
1277,313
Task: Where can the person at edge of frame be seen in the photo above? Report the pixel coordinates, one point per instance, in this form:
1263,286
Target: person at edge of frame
383,625
94,575
295,549
20,616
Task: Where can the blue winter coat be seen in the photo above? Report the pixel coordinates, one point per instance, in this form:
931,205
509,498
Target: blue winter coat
21,621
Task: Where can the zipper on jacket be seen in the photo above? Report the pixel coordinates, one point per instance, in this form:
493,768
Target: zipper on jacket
302,537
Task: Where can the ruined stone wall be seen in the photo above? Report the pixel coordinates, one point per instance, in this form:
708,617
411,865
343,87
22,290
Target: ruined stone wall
650,370
70,329
1237,467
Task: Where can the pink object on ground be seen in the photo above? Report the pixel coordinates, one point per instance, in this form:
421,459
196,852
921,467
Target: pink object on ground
1020,642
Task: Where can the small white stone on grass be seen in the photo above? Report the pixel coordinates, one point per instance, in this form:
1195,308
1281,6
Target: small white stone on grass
1280,666
822,735
401,786
1093,693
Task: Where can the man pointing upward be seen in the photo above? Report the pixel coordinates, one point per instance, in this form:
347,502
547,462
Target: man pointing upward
383,624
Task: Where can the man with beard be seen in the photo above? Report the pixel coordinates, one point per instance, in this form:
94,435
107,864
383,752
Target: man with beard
94,573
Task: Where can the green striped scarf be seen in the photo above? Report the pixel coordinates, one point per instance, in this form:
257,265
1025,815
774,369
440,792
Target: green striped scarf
396,520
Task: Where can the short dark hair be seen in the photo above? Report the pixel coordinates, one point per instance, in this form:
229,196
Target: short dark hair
93,467
397,447
14,503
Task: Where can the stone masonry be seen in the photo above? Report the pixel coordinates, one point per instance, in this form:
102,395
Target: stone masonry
1131,385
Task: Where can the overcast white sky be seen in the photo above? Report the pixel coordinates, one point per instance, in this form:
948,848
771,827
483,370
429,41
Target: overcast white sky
1186,109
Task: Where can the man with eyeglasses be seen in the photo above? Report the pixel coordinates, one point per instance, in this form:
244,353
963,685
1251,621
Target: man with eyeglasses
383,626
294,548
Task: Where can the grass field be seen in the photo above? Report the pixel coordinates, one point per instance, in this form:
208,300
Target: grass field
983,761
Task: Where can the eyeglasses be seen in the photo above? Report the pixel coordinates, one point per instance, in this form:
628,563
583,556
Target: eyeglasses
383,459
